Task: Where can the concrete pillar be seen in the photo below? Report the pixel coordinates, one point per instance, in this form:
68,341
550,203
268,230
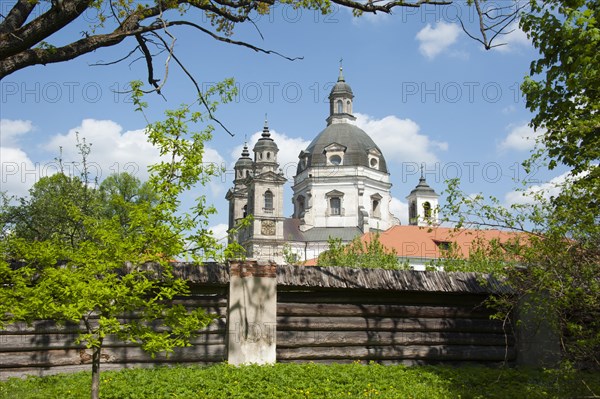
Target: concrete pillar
252,312
538,342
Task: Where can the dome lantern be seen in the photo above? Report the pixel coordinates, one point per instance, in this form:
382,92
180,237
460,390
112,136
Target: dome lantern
340,102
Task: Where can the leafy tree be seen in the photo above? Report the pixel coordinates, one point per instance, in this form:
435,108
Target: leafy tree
563,89
358,253
117,279
560,255
489,257
121,193
47,212
127,187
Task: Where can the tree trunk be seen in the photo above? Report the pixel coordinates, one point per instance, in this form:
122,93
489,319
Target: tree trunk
96,371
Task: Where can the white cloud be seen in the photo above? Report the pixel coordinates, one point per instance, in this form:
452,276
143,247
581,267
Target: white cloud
435,40
215,184
400,139
546,190
11,129
399,209
289,148
509,109
219,231
112,149
18,173
212,156
520,138
514,39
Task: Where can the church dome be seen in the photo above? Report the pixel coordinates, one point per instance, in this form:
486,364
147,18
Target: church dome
341,87
265,143
244,162
356,143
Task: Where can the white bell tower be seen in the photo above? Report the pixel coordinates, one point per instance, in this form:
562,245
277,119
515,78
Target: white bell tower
423,204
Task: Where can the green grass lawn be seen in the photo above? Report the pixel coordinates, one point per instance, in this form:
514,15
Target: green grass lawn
311,381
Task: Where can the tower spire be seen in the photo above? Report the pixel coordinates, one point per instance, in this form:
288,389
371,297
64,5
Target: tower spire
245,152
266,133
341,75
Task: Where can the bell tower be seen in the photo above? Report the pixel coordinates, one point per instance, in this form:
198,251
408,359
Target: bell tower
265,202
238,194
423,204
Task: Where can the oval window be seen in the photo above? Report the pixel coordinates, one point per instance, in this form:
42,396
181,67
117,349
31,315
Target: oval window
373,162
335,159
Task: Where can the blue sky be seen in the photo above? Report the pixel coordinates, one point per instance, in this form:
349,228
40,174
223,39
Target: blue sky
423,90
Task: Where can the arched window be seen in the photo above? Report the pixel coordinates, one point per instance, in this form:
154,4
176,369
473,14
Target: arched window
268,155
268,201
412,212
340,107
335,205
301,206
427,209
245,211
376,211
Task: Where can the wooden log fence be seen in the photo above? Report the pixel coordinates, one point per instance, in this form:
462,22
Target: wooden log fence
321,315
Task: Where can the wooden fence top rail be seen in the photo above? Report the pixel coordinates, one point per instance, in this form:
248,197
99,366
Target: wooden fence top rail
211,273
345,277
394,280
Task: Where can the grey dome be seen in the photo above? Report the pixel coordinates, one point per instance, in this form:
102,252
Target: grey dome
265,143
341,87
357,143
423,188
244,162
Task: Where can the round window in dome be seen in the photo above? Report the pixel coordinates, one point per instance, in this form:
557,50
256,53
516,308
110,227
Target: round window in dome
335,159
373,162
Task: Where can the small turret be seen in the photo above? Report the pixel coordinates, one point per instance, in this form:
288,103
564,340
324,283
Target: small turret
340,101
243,166
265,152
423,204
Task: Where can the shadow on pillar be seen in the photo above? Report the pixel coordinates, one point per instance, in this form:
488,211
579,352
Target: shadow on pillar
252,313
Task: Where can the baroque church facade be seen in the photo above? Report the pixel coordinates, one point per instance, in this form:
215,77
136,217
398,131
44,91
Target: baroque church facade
341,190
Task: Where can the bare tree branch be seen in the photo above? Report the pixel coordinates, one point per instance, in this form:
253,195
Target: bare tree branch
238,43
200,94
494,21
136,48
148,56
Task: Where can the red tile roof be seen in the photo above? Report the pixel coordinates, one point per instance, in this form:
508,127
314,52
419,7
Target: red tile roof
428,242
424,242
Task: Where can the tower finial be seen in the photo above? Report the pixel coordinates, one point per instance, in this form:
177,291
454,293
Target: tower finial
341,76
245,152
422,167
266,132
